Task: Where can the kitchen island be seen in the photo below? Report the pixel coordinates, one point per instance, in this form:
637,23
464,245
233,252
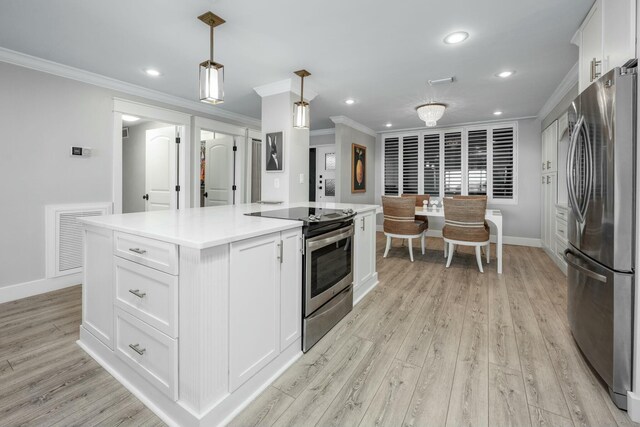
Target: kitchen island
197,311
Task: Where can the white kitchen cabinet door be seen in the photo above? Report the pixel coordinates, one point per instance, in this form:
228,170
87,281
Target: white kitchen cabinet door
591,48
552,147
98,287
618,32
254,306
290,288
364,247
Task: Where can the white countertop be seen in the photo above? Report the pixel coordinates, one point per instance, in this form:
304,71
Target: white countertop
207,227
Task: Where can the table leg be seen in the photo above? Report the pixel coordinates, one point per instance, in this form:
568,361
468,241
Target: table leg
499,248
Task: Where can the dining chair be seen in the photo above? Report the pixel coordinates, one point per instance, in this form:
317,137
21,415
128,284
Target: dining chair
486,224
399,222
419,199
464,225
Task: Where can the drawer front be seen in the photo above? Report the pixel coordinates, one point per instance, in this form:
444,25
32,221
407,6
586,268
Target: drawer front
149,352
148,294
560,248
561,229
153,253
562,214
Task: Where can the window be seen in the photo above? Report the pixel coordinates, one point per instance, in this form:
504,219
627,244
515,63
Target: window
478,160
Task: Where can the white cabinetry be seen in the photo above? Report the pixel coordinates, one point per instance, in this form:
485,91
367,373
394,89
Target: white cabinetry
364,274
259,275
549,184
550,149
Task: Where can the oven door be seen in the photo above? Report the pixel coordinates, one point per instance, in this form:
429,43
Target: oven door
328,267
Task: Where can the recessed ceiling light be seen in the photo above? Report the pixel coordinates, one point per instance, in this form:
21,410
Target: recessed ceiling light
457,37
388,125
497,113
505,74
128,118
152,72
349,101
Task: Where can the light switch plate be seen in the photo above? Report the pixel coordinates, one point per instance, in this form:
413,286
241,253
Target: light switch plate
301,178
276,183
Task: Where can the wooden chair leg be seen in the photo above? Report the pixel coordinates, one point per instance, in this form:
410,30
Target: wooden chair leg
450,254
422,242
410,248
479,258
386,251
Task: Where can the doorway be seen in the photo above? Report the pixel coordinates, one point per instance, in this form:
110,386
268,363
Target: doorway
326,173
217,169
149,175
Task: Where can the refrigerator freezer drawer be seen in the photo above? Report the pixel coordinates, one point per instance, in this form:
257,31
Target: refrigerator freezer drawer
600,310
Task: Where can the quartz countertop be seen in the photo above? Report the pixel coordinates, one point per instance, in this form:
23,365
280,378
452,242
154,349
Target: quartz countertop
212,226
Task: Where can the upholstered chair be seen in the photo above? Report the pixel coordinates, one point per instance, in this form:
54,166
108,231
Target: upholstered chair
400,222
419,199
464,225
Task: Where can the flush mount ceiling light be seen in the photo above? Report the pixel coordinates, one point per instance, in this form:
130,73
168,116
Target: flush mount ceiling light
128,118
152,72
211,73
505,74
431,113
301,108
388,125
457,37
497,113
350,101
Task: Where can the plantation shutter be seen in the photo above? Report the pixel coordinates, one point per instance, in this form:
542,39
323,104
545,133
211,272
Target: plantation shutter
432,164
477,162
410,164
452,163
503,163
391,171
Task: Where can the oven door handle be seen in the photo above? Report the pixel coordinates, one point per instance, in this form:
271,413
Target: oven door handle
327,239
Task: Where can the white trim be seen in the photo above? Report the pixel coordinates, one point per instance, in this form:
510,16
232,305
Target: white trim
507,240
344,120
37,287
284,86
633,406
363,289
320,132
566,84
61,70
453,126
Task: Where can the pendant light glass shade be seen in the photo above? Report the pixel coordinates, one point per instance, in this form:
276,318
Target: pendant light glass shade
431,113
301,115
211,82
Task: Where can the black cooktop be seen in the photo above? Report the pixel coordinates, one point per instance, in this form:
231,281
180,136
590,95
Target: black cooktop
307,215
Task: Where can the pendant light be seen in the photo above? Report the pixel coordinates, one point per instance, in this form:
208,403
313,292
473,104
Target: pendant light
431,113
301,108
211,73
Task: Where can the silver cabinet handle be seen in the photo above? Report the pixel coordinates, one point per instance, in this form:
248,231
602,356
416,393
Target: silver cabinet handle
362,219
548,164
138,251
548,179
542,165
560,230
594,69
137,349
137,293
280,250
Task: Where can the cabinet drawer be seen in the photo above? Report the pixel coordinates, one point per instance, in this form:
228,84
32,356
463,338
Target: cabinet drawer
562,213
561,229
149,352
153,253
559,250
148,294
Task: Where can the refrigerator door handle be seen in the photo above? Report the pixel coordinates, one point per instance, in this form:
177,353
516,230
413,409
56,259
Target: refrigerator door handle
587,179
585,271
571,169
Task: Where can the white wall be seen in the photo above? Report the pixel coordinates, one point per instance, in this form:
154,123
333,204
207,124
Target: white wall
520,220
344,137
42,116
322,139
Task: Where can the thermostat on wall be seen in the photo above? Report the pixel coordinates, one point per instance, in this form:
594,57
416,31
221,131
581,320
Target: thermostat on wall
81,151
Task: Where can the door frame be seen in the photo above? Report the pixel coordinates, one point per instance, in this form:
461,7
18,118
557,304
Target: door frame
199,124
170,117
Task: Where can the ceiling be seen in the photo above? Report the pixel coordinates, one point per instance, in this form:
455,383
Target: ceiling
378,52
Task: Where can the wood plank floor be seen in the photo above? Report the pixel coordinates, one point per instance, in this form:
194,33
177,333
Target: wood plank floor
432,346
429,346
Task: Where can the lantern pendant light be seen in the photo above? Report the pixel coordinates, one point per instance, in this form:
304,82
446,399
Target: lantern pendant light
211,73
301,108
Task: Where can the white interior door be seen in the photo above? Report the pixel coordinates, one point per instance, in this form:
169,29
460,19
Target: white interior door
326,173
160,161
218,178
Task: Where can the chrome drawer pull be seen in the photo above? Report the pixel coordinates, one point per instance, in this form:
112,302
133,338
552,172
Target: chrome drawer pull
138,251
137,349
562,231
137,293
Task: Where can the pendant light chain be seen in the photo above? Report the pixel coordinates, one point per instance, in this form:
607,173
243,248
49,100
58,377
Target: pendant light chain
301,89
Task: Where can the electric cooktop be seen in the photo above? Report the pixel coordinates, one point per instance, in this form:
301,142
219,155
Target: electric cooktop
307,215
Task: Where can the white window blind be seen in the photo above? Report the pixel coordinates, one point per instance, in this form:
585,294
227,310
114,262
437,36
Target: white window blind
391,171
410,164
432,164
477,162
452,163
503,154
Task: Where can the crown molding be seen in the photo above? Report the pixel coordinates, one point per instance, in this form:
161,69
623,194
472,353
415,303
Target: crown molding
284,86
320,132
493,122
569,80
344,120
61,70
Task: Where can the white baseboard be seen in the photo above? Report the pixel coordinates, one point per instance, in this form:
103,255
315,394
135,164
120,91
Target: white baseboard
507,240
36,287
364,288
633,406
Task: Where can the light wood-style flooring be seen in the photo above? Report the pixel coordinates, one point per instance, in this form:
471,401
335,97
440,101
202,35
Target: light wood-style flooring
432,346
428,347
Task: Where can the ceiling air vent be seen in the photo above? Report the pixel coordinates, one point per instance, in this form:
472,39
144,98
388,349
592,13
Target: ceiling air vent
441,82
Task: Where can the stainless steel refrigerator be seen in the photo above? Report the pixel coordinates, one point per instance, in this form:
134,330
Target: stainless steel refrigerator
601,189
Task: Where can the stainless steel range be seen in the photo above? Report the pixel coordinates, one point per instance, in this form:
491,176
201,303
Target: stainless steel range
327,276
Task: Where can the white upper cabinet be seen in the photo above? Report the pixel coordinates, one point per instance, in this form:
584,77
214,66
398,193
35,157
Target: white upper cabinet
606,39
